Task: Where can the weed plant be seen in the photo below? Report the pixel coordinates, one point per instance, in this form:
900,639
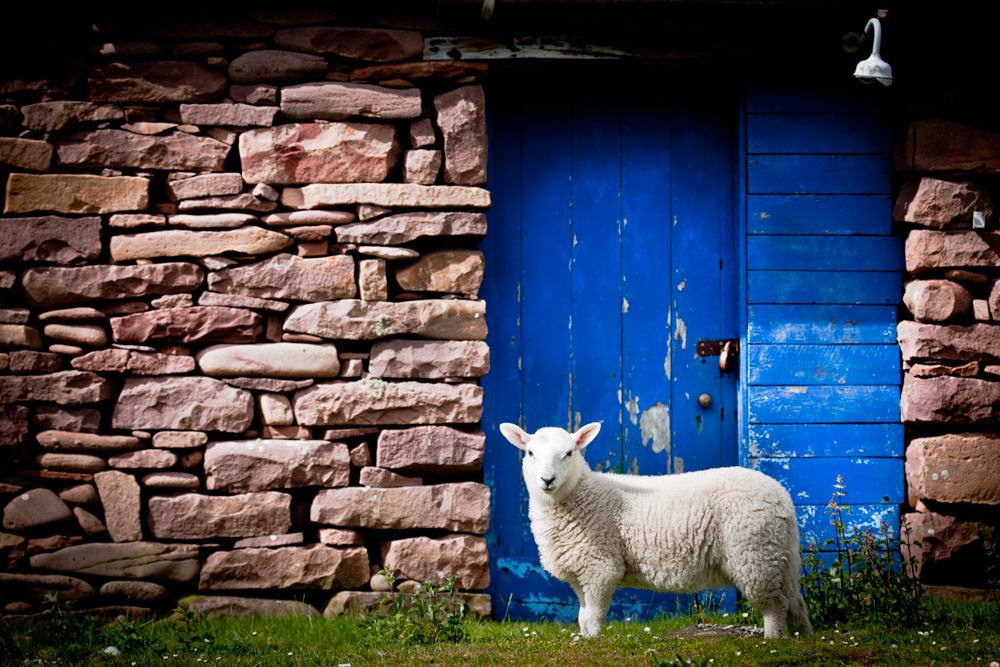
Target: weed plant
432,614
867,579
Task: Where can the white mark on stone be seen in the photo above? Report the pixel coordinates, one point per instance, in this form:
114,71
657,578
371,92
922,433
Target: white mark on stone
681,332
944,474
624,305
633,408
25,497
934,476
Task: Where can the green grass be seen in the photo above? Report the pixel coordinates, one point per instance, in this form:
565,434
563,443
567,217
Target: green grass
952,634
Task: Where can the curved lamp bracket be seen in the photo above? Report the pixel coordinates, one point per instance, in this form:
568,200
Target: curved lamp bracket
874,68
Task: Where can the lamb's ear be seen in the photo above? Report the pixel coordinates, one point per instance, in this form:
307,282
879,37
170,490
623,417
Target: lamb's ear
515,435
585,435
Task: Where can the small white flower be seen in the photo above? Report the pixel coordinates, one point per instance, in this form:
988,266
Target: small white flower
745,614
111,650
647,629
738,653
893,646
995,664
254,633
975,641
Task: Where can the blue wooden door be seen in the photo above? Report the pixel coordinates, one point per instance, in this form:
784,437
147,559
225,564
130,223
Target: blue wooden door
610,254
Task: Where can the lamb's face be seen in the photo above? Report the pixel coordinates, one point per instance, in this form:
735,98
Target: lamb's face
551,456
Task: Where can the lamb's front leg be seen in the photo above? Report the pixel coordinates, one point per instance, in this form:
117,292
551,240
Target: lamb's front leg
595,601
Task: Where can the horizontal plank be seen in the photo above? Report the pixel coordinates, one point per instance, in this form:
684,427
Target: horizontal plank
820,324
825,253
831,287
815,527
804,404
818,97
805,440
810,481
823,364
819,174
819,133
819,214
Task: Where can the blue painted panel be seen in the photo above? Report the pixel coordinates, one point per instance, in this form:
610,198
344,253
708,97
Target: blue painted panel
646,341
819,174
816,97
825,253
815,527
810,481
804,404
819,214
846,287
804,440
819,133
823,364
784,323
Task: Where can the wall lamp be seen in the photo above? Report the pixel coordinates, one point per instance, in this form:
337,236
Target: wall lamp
874,68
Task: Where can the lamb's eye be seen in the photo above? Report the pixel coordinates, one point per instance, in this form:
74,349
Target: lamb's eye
530,453
568,454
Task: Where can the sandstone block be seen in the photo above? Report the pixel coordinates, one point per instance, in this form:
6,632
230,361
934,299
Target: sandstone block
461,507
994,301
19,335
80,420
455,271
951,400
963,343
275,410
182,403
337,537
78,194
134,220
270,541
239,115
931,202
375,402
13,425
63,387
361,455
933,145
12,550
189,325
193,516
54,116
80,463
319,153
214,606
406,227
396,358
289,360
427,69
211,220
155,82
431,450
120,149
372,280
180,243
27,154
240,301
289,218
331,100
80,494
125,560
179,439
273,66
268,384
968,370
245,201
171,480
388,252
53,286
137,363
37,587
204,185
427,559
81,314
259,465
90,523
372,44
143,459
399,195
461,117
287,276
981,310
927,249
949,548
50,239
386,479
936,300
311,567
955,468
68,441
367,320
25,362
33,509
421,166
84,335
134,591
261,93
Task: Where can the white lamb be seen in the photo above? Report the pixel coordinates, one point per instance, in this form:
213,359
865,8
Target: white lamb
686,532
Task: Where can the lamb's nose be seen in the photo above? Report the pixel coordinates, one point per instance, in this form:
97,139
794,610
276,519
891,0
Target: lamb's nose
547,481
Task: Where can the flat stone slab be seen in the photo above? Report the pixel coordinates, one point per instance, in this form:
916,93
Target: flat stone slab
287,276
237,466
119,149
375,402
431,450
189,325
122,502
929,249
155,82
193,516
50,239
955,468
332,100
126,560
182,403
37,587
69,441
316,566
962,343
406,227
457,507
400,195
280,360
214,606
951,400
355,319
54,287
63,387
429,359
75,194
427,558
34,509
136,591
184,243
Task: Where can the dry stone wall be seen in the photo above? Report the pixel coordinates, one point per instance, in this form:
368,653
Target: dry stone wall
950,343
240,334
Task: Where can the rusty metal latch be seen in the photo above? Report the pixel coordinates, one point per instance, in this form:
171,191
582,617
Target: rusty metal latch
727,350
